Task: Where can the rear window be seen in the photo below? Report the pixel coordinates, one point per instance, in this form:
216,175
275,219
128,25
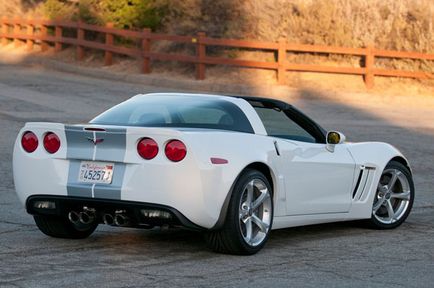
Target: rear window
177,111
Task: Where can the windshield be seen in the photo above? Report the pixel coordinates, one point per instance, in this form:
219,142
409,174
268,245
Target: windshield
176,111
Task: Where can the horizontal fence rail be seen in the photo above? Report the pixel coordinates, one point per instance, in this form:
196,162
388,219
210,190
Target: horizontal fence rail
52,33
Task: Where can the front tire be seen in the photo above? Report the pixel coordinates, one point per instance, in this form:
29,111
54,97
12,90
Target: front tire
61,227
249,217
394,197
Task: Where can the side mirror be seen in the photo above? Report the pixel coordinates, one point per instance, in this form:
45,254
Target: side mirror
334,138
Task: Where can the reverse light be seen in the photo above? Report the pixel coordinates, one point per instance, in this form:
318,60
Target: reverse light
151,213
44,205
175,150
29,141
51,142
147,148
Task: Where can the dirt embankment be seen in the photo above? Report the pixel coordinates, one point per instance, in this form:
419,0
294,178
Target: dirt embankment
388,24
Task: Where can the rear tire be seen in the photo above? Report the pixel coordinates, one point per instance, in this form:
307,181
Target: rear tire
394,197
249,217
61,227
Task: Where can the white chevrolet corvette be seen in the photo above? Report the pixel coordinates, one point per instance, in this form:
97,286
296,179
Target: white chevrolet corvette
234,167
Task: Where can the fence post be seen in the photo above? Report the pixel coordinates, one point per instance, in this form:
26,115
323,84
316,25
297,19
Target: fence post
281,62
109,40
80,39
44,33
146,49
30,30
200,54
17,31
58,34
369,66
5,30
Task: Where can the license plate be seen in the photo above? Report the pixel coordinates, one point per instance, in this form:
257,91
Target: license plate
96,172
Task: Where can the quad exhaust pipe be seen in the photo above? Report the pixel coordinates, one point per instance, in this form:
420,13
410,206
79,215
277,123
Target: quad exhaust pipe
88,216
118,219
85,217
74,217
108,219
122,220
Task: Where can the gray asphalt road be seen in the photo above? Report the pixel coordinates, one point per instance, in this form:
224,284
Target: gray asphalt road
332,255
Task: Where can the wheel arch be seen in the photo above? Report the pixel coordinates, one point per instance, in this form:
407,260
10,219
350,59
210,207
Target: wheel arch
259,166
403,161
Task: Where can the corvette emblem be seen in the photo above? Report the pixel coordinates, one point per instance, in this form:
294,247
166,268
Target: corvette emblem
95,141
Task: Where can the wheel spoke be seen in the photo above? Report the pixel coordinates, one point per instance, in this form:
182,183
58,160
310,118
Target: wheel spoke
264,195
248,224
403,196
390,211
262,226
249,188
392,181
378,205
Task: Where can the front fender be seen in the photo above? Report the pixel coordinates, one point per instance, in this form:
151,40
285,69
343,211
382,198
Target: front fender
375,155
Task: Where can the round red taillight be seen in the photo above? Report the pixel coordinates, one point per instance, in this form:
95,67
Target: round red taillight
147,148
51,142
29,141
175,150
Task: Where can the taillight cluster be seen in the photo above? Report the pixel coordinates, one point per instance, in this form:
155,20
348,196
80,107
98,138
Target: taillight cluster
175,150
30,142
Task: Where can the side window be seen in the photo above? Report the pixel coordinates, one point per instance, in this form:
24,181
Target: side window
278,124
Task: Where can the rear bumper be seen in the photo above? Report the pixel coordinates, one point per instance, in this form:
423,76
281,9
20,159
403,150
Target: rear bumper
64,204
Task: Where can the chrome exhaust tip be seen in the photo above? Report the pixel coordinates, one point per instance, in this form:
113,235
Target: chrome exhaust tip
108,219
121,220
86,217
74,217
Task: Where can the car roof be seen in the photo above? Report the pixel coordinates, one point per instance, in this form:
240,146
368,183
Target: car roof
302,119
264,101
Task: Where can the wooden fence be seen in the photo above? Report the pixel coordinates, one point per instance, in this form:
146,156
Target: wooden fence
47,33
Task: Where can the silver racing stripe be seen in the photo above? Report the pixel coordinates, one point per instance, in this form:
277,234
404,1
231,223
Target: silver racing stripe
107,146
113,147
113,190
78,145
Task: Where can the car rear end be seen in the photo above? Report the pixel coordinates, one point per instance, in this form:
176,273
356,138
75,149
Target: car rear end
148,176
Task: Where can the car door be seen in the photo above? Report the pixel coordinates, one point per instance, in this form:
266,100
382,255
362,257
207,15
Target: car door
316,180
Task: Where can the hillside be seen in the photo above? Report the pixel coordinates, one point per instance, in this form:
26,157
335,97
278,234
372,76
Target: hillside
406,25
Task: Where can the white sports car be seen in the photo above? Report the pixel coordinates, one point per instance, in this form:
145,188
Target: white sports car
234,167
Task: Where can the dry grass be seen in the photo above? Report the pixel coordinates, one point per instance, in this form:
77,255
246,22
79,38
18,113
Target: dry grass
388,24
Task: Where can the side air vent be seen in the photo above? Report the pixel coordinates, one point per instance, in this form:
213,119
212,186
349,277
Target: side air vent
358,183
363,183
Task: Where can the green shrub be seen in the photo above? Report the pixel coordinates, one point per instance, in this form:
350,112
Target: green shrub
133,14
128,14
88,12
58,9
